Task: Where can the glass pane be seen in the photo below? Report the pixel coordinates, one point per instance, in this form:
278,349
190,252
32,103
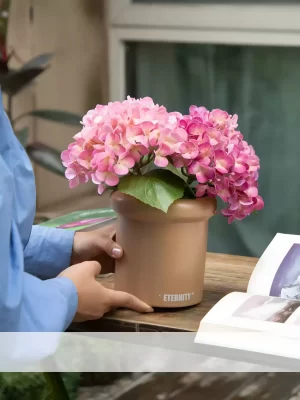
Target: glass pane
261,85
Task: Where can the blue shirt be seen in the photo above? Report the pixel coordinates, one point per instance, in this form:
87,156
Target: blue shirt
32,299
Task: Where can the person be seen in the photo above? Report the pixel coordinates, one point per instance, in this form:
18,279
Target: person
47,276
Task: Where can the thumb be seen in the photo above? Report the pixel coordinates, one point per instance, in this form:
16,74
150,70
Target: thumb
112,248
126,300
92,267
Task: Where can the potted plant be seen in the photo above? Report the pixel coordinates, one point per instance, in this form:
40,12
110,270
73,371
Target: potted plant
166,170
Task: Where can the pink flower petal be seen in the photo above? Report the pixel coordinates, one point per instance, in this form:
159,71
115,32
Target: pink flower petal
196,129
201,190
95,180
194,168
211,191
132,133
65,155
101,188
121,169
127,162
153,138
179,162
108,129
147,127
246,201
251,191
230,219
223,161
111,179
73,183
205,174
180,135
143,140
70,173
161,161
258,203
135,154
84,159
83,178
164,150
240,168
183,124
99,177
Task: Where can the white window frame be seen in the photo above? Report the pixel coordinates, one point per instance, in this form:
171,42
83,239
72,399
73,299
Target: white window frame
253,24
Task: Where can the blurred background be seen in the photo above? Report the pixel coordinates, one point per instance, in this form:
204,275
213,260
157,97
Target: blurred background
69,40
61,58
239,55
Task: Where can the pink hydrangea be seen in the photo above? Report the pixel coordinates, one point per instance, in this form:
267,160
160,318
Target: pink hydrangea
122,137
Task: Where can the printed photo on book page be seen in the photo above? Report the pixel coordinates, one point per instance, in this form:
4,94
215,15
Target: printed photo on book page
254,328
277,273
247,312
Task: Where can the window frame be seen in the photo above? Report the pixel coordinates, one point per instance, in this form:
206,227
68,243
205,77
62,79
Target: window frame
191,23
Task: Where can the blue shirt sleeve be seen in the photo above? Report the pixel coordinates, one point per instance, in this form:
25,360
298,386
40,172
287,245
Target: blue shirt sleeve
47,306
27,304
48,251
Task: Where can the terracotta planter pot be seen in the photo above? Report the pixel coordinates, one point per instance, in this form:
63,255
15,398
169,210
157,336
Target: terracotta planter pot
164,253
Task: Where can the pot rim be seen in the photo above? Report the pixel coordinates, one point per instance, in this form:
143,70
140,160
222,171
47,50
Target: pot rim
182,210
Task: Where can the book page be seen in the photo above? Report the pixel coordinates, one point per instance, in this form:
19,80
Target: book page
277,273
248,313
253,327
83,220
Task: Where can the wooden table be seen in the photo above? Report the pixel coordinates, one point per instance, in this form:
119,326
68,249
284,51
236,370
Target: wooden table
224,274
211,386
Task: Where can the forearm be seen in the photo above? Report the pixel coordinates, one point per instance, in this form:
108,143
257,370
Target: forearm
48,251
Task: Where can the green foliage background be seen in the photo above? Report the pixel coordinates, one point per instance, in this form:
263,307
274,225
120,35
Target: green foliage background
32,386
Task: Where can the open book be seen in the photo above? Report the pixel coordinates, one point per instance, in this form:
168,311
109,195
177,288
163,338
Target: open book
83,220
266,320
89,220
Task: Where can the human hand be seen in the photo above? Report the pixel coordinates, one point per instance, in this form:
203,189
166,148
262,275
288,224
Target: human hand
94,300
90,246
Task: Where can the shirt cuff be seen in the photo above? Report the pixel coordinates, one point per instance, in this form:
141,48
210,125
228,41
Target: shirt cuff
68,290
48,306
48,251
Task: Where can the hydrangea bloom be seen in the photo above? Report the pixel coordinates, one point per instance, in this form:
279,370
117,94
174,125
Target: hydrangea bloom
122,137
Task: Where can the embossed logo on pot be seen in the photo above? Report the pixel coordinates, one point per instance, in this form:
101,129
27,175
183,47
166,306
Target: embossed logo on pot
177,297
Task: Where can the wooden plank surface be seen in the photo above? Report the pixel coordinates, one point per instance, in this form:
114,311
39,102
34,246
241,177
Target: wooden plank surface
197,386
223,274
217,386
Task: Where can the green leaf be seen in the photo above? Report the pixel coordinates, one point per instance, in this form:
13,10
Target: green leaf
159,188
22,135
149,167
46,157
14,81
170,167
79,217
176,171
188,191
63,117
38,61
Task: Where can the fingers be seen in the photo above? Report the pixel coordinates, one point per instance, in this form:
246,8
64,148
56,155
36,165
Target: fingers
112,248
109,230
93,267
126,300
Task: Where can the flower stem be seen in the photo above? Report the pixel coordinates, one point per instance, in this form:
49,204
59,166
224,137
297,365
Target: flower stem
183,171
